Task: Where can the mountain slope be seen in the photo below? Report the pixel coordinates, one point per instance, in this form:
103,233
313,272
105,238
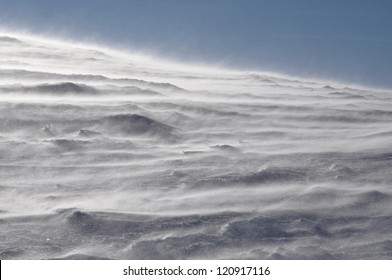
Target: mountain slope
106,154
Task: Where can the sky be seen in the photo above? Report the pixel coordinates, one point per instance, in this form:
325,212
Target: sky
343,40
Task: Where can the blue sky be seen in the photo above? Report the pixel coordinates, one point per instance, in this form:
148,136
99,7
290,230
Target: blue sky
345,40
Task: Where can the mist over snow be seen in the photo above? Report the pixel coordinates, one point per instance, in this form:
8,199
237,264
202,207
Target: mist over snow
106,154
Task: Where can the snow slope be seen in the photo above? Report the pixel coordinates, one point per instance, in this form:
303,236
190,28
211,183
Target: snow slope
106,154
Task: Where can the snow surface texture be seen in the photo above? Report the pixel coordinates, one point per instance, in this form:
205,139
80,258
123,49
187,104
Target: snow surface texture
111,155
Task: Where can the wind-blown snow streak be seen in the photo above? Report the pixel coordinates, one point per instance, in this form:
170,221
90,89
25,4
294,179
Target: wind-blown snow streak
107,155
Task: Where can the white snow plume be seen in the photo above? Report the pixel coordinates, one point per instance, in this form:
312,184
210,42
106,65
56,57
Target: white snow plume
112,155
